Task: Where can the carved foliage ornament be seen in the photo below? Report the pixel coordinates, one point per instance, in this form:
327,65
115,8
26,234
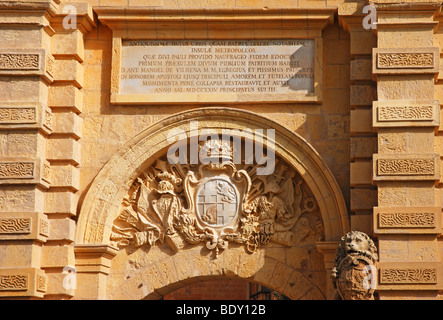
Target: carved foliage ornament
406,166
216,204
397,113
404,60
16,61
16,170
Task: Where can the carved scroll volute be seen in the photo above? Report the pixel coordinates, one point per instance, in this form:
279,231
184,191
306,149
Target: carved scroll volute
354,274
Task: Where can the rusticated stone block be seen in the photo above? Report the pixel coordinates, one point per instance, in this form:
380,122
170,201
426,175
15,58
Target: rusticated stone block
63,149
19,89
61,229
67,123
61,202
22,144
363,199
21,198
361,69
65,96
25,171
26,62
69,71
363,147
361,121
25,116
362,95
65,177
24,226
362,222
29,282
56,256
362,42
14,37
405,220
68,44
361,173
61,284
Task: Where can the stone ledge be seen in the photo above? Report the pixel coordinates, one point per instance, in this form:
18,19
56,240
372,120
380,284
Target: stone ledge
84,16
25,171
91,258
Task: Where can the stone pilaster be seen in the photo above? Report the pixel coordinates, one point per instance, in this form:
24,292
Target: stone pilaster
65,98
41,78
363,137
93,264
329,251
26,72
406,167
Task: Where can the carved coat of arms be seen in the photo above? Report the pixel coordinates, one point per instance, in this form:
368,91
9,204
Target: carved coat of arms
354,273
215,204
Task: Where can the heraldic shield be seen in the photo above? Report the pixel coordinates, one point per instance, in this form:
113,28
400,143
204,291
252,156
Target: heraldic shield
216,202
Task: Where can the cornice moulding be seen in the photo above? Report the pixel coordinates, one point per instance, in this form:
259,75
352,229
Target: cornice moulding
139,17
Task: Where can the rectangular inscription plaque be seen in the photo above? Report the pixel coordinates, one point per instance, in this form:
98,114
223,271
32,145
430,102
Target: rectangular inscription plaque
217,70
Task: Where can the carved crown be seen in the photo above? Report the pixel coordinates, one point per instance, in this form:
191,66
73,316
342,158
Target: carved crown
216,150
167,183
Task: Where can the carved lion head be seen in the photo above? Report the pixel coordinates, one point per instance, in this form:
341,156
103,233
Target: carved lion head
355,249
356,243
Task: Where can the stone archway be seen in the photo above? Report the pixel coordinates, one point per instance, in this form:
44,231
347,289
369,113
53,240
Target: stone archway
155,269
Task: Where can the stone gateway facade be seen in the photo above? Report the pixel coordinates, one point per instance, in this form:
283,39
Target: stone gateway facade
147,146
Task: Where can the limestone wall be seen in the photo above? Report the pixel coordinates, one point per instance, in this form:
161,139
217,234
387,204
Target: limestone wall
60,124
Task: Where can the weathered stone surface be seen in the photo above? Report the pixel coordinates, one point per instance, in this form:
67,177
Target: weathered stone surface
83,146
361,69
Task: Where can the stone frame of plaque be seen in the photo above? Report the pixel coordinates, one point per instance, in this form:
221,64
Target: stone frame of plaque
248,29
